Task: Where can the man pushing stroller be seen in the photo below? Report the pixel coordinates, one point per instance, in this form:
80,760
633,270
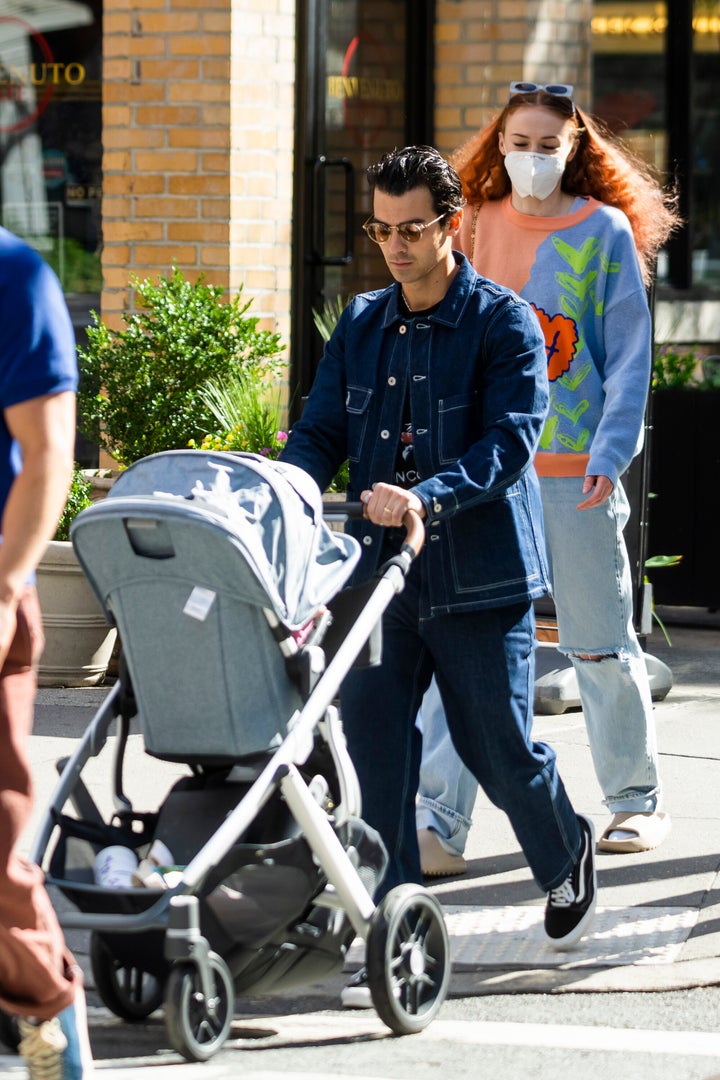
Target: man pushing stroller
435,389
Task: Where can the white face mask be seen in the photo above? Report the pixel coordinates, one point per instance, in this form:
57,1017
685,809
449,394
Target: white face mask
534,174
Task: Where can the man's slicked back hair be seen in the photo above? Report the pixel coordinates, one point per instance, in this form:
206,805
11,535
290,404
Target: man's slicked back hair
400,171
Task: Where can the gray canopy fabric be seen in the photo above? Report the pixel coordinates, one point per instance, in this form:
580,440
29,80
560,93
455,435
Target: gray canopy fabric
272,510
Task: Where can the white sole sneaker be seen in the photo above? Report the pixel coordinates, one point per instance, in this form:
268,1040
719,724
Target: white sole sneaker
356,995
570,908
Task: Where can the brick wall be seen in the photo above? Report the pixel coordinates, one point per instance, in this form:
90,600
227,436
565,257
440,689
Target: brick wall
198,119
197,147
481,46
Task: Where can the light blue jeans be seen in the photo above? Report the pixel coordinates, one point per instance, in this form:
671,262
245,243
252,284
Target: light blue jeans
593,595
447,791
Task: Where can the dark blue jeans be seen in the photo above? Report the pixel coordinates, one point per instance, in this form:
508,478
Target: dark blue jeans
484,664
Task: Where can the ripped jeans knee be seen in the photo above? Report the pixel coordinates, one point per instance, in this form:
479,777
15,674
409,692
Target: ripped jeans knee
594,655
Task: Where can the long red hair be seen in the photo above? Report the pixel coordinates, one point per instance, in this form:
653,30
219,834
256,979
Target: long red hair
601,167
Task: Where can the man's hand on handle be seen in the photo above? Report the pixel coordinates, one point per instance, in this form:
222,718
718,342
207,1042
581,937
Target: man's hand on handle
386,504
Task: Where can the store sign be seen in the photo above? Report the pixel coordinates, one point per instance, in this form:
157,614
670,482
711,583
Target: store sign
367,90
641,27
364,89
27,87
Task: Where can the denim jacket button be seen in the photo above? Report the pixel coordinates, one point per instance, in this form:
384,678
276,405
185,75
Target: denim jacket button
385,434
367,541
392,380
402,329
437,507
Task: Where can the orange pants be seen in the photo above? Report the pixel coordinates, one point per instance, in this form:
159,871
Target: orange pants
38,975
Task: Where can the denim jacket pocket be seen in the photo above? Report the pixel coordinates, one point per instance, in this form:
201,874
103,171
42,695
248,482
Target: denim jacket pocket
492,550
357,405
458,425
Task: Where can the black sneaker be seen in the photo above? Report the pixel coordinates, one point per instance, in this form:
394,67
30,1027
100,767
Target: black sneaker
570,907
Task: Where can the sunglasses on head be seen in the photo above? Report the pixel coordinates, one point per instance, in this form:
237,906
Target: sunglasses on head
561,90
410,231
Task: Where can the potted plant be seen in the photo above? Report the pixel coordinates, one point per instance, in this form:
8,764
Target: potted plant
78,639
249,416
140,387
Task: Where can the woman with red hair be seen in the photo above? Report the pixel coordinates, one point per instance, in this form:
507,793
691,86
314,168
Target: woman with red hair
568,218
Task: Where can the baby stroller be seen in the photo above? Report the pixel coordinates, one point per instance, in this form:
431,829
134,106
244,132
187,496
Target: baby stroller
225,583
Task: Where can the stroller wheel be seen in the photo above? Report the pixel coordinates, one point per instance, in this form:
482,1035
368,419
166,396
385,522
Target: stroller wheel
127,990
198,1026
9,1031
408,959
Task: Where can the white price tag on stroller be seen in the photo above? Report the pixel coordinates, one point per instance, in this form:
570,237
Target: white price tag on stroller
199,603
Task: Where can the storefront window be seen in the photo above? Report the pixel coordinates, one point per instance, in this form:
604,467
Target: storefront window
50,141
629,87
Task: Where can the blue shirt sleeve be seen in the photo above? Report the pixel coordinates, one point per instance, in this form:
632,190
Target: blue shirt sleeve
38,343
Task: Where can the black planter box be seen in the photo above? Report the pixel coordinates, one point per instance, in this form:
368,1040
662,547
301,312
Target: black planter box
683,507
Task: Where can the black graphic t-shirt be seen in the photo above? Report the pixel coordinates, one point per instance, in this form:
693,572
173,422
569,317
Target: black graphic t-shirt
406,471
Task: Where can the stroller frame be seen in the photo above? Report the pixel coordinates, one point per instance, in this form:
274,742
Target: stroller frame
407,948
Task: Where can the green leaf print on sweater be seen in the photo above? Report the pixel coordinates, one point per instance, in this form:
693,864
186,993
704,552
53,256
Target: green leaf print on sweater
578,285
578,259
573,415
578,442
573,381
576,445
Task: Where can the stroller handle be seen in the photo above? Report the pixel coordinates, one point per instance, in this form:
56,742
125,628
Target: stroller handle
414,533
353,511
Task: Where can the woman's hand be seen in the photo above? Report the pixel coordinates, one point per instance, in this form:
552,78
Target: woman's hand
600,488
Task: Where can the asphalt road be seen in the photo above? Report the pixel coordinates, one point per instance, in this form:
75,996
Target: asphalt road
667,1036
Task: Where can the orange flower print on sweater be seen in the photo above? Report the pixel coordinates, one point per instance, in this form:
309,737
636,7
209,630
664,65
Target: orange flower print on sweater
561,337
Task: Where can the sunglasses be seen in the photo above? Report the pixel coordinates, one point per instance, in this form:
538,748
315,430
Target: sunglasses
410,231
561,90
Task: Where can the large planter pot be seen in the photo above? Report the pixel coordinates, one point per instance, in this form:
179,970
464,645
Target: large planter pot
78,640
101,480
685,458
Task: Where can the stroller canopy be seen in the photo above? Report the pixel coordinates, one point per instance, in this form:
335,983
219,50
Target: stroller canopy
272,510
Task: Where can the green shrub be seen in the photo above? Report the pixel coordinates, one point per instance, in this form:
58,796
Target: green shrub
140,386
78,499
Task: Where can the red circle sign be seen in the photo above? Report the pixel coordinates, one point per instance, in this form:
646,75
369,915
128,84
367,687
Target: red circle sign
13,89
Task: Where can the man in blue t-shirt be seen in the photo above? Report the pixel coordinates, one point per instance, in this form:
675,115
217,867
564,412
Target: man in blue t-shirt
40,982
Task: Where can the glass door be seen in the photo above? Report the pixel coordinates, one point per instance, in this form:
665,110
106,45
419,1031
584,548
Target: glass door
361,91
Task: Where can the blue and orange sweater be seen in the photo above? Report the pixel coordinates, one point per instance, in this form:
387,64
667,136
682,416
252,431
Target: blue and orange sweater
581,275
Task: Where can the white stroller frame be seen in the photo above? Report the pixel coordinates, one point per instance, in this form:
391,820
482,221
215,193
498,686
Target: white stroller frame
407,948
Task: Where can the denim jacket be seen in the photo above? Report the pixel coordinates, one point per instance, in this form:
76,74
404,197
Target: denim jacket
476,375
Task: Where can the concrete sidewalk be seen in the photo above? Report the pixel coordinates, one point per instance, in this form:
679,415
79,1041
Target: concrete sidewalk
657,925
